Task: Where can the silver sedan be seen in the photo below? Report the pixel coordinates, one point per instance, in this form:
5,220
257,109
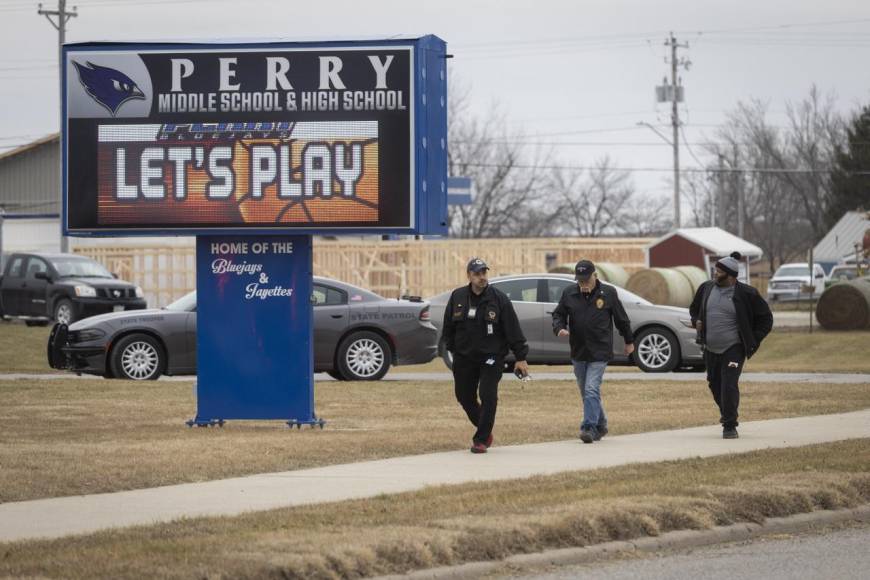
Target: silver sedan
358,335
663,336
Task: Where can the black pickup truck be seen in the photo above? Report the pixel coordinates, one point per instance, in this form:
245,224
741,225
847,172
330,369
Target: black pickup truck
39,288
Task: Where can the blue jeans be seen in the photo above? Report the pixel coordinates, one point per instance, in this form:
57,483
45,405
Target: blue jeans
589,376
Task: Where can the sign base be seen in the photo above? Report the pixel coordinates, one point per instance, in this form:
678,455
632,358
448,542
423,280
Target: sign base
255,325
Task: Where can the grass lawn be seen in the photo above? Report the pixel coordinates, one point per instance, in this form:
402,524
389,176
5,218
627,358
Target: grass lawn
782,351
61,438
481,521
22,349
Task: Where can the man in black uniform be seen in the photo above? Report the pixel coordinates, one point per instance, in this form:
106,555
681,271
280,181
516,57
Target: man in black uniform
586,314
732,319
479,325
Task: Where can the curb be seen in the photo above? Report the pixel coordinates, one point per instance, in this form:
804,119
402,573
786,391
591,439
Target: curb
676,540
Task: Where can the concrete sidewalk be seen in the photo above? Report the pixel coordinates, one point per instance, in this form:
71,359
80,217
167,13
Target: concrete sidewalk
51,518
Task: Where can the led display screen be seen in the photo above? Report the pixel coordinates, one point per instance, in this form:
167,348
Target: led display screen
159,139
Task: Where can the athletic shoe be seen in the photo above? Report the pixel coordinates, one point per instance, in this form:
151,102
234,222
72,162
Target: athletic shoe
586,436
478,448
488,441
600,432
730,433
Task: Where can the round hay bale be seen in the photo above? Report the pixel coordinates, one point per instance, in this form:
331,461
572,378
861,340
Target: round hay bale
613,273
607,272
845,306
663,286
563,269
695,275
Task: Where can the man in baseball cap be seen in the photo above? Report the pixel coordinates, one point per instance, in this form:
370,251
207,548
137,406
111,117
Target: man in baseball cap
480,327
586,314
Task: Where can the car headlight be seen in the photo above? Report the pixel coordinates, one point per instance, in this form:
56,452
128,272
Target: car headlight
139,292
686,322
86,291
87,335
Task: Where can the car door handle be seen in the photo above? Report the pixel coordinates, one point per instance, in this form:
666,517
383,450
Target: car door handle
337,315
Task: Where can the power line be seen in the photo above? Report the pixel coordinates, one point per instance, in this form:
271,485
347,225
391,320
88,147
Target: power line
759,170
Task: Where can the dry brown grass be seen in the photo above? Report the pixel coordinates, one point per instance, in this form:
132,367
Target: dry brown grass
480,521
80,436
822,351
22,349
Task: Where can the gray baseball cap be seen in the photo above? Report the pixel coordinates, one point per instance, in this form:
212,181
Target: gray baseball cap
476,265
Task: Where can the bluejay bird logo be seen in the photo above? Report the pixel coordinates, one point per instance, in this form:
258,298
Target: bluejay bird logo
109,87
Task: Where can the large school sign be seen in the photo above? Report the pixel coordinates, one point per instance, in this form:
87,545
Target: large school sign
343,137
253,148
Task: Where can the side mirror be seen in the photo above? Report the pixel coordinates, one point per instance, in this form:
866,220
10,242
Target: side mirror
820,275
42,276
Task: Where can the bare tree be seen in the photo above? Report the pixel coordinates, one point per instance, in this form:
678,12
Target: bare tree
782,174
591,203
506,178
645,215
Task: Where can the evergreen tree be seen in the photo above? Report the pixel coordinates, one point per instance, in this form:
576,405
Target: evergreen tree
850,180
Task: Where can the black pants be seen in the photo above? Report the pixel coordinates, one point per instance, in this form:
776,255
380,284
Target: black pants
723,373
471,377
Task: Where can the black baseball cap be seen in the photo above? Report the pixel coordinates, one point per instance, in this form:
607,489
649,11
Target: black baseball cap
584,269
476,265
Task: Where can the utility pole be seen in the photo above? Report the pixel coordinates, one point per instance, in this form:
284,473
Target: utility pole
673,93
720,194
62,18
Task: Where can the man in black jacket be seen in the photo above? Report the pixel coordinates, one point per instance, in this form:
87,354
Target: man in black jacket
586,314
731,319
480,324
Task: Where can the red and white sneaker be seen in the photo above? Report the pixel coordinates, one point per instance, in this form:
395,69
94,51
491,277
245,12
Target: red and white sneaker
478,448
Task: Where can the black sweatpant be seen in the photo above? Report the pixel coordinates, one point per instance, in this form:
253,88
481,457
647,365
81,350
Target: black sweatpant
723,374
471,377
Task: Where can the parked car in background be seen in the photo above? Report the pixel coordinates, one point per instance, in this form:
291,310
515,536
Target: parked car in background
39,288
841,273
787,282
358,335
663,336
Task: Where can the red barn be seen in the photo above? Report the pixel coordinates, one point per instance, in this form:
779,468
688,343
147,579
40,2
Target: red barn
700,247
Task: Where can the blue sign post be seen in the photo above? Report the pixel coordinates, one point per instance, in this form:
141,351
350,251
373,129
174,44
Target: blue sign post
254,318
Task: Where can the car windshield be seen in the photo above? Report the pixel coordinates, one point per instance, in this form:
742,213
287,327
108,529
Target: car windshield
796,271
186,303
848,273
80,268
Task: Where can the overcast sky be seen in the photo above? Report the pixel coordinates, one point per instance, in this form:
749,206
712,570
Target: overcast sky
574,74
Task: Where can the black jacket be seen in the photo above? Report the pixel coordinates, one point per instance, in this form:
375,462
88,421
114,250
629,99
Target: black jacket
754,319
590,321
472,337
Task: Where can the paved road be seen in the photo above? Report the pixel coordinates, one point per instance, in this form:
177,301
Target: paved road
831,378
843,554
82,514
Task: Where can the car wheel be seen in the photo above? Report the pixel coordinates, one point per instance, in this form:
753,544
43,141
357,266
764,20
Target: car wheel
336,375
138,357
656,350
63,312
364,356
